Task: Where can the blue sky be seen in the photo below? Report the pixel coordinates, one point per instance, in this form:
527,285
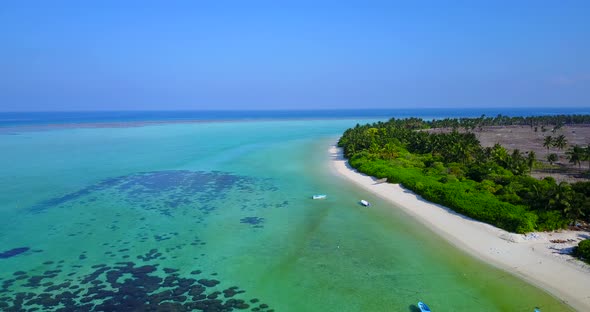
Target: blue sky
168,55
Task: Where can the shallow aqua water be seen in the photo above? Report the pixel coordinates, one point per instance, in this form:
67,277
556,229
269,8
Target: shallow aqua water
231,200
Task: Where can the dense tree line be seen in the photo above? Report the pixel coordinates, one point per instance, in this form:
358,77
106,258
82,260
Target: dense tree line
452,168
544,122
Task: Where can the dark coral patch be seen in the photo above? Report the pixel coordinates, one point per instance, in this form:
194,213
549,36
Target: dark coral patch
169,189
256,222
13,252
208,283
123,287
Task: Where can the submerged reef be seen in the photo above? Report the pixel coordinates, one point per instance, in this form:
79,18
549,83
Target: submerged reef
164,191
255,221
139,225
13,252
123,286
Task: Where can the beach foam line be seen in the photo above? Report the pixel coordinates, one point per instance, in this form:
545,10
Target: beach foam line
531,257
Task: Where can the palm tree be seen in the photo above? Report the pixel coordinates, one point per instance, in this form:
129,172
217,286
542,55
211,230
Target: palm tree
374,149
530,160
517,163
575,211
500,155
560,142
548,142
586,154
557,127
581,202
551,158
575,155
389,151
540,197
561,198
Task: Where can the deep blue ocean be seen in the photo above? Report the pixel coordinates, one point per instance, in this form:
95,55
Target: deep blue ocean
8,119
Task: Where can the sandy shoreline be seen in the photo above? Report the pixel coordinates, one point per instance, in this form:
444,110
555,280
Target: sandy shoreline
532,257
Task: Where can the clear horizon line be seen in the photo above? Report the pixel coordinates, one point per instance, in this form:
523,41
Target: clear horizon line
292,109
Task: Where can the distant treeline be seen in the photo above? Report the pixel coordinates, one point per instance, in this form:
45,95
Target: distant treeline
453,169
500,120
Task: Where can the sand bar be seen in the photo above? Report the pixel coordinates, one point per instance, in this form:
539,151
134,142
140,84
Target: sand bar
531,257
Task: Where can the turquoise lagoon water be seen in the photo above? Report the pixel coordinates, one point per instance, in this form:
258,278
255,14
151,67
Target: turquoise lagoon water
219,215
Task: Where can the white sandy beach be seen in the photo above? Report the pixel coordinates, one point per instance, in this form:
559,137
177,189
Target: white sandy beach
532,257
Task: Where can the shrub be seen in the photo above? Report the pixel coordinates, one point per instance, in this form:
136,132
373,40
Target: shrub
551,220
463,197
582,251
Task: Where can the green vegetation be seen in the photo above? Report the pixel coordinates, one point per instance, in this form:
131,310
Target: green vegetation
552,158
582,251
555,122
453,169
576,154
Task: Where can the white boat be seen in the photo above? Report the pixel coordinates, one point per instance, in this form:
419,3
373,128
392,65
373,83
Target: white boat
365,203
319,196
423,307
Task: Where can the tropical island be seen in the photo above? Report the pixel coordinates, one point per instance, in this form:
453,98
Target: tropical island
488,186
478,168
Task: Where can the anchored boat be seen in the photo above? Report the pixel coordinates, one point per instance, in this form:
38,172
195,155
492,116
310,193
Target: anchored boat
423,307
365,203
319,196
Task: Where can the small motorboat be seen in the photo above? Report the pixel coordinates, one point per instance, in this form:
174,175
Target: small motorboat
365,203
319,196
423,307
